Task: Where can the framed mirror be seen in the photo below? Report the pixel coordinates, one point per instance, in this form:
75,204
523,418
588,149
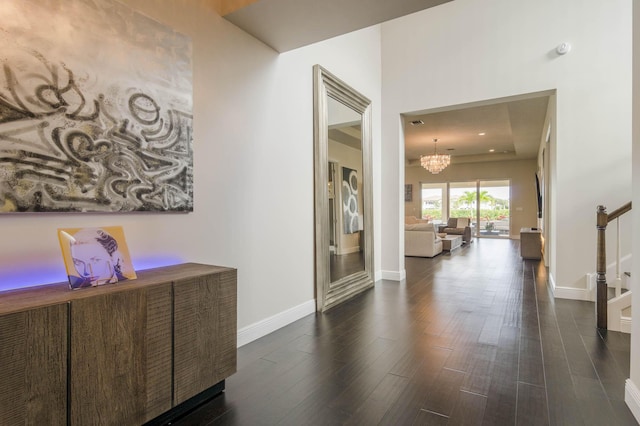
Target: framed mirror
343,191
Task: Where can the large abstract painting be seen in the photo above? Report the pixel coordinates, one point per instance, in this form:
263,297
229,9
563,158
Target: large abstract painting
350,200
95,109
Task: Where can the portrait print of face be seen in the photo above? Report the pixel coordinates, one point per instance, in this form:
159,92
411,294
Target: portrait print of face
94,256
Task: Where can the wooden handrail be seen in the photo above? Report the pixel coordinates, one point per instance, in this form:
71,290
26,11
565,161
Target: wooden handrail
602,220
618,212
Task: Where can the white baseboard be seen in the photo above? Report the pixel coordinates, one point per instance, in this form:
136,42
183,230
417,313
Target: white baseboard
570,292
552,283
269,325
394,275
377,276
592,283
632,398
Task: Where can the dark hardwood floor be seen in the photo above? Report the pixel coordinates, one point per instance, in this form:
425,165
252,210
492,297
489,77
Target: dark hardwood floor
472,338
345,265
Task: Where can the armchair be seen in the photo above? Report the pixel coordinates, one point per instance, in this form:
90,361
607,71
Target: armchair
457,226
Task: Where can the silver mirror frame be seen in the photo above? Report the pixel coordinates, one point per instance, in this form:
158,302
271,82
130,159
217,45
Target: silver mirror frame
330,294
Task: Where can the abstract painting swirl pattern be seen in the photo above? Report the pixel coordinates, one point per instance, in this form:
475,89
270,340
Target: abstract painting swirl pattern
350,200
95,109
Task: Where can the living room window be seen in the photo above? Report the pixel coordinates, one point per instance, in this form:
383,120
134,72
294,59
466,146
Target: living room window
434,202
494,197
463,201
486,202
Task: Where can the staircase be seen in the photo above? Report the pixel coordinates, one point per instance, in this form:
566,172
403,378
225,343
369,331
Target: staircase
619,308
613,313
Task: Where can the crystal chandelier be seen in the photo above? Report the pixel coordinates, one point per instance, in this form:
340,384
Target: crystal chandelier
435,162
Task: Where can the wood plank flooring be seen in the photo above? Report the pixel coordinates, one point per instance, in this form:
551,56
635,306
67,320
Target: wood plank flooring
344,265
473,337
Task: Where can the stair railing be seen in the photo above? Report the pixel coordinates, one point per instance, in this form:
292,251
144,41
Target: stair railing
602,220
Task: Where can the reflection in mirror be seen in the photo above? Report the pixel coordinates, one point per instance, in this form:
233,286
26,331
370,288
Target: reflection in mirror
343,204
346,227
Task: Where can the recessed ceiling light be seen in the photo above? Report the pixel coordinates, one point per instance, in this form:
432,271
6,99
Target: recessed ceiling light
417,122
492,150
481,134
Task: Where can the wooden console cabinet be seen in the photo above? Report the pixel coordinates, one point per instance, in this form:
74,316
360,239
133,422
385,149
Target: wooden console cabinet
120,354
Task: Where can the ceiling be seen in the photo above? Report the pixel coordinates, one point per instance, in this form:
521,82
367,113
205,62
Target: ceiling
512,128
350,136
288,24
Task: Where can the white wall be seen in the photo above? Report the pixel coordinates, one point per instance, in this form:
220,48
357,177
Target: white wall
546,168
253,143
632,394
471,50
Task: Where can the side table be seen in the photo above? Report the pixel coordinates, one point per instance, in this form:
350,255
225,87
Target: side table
531,243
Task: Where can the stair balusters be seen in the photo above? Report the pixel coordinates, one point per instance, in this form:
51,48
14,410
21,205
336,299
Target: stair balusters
602,219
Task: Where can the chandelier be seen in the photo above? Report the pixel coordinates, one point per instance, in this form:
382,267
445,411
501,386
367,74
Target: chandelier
435,163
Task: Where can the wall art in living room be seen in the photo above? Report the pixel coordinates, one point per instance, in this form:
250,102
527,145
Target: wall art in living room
95,256
350,209
408,192
95,109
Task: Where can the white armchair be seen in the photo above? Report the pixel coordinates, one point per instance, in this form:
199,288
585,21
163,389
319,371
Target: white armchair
420,239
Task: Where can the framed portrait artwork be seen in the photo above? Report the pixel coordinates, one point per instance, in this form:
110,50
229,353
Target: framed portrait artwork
95,256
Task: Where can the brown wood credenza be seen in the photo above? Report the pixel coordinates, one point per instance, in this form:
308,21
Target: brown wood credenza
129,353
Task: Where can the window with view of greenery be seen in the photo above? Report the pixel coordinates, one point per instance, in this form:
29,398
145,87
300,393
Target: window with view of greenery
433,201
463,200
494,211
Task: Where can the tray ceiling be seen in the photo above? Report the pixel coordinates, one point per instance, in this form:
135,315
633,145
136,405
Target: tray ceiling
513,129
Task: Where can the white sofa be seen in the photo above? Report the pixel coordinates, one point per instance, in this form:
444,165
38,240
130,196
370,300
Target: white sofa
420,239
412,219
